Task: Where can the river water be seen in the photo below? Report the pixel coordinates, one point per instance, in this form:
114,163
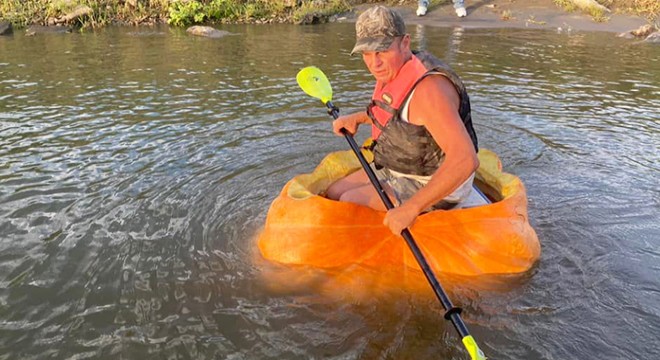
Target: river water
137,165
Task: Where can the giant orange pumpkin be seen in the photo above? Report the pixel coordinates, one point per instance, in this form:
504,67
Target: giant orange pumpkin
304,228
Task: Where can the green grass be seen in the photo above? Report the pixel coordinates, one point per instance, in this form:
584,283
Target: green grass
567,5
597,14
22,13
649,9
308,8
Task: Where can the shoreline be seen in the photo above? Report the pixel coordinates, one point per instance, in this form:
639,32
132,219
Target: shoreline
521,14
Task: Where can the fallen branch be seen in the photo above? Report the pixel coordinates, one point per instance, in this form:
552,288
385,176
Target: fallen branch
77,13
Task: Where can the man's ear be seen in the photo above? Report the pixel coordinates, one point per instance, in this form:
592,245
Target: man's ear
405,42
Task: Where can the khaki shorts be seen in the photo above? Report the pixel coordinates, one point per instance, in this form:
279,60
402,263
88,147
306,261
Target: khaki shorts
404,187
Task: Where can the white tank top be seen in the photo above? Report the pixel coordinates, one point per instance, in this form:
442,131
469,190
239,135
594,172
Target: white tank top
461,193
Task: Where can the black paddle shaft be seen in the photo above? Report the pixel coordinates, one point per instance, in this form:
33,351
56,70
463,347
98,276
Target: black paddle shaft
452,313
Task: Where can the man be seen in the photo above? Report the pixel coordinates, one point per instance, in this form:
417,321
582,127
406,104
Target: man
425,152
459,7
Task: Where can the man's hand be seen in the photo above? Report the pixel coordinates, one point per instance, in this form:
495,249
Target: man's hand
349,122
400,218
346,122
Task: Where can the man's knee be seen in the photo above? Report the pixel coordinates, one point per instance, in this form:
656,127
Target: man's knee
347,196
346,184
336,190
333,193
363,195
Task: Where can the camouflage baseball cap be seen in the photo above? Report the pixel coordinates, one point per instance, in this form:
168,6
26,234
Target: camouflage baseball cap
376,29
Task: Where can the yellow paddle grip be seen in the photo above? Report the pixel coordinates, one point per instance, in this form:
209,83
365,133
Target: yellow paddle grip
473,348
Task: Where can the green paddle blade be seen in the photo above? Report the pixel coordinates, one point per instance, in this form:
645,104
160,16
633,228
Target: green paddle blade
314,83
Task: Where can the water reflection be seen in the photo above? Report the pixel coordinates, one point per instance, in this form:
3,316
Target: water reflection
137,166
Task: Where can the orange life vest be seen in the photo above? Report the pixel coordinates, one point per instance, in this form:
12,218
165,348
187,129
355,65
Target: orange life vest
391,95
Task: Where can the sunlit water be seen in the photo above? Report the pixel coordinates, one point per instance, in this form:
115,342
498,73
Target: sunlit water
137,165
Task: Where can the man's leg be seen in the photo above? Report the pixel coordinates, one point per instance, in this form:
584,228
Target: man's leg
364,195
357,188
459,6
422,7
351,181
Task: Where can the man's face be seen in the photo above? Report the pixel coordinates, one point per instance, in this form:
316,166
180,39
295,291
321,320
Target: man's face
385,65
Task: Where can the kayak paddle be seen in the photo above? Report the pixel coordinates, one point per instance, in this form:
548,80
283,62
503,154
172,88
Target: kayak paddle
315,84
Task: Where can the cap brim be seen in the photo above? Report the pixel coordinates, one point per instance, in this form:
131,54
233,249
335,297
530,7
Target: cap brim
372,44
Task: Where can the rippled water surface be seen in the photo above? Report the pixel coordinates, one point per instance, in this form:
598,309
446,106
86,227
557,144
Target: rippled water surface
137,165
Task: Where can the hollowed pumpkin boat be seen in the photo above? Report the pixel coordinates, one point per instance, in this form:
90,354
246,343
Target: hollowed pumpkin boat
305,228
